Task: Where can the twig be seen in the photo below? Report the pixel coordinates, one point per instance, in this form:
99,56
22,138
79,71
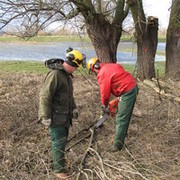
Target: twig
90,172
101,162
166,133
98,175
77,142
155,88
85,154
84,129
89,81
159,87
136,162
120,170
45,167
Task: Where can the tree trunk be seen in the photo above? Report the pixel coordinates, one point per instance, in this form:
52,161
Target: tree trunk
104,26
146,51
146,32
173,40
105,38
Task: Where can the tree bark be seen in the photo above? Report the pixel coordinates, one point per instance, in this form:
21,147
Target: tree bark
146,32
103,30
173,40
105,38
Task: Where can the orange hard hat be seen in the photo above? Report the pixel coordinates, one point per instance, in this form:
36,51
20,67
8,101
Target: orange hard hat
93,63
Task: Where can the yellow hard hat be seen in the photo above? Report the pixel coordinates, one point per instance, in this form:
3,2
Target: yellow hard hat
74,57
93,63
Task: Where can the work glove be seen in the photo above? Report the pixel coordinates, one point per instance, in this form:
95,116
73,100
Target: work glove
46,122
105,109
75,113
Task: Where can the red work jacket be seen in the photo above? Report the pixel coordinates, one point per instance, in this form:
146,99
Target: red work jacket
112,78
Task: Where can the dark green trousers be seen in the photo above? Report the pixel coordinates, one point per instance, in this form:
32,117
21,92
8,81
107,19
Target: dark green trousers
125,109
59,137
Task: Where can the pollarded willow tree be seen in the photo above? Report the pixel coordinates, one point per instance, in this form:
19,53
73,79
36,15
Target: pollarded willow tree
173,40
103,19
147,33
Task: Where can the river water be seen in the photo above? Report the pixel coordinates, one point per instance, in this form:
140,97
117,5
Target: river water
44,51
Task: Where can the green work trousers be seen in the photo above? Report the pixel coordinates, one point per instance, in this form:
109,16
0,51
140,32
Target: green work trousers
59,137
125,109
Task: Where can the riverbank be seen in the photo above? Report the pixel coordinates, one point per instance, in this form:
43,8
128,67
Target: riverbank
42,39
39,68
14,48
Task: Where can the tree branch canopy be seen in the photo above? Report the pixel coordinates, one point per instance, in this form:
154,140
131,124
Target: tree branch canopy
14,11
20,13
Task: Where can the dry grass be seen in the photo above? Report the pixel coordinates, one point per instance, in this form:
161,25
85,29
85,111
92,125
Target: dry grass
25,148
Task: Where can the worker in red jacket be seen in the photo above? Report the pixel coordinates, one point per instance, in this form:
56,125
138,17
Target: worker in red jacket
112,78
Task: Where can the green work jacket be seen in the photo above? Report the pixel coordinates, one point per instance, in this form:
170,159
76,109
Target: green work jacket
56,94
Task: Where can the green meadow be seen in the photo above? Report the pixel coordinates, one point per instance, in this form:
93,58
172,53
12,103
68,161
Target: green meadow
39,67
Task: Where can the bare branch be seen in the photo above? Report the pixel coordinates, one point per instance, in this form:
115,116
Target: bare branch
120,13
99,6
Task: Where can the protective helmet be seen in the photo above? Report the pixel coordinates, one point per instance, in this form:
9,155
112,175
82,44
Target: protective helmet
75,58
93,63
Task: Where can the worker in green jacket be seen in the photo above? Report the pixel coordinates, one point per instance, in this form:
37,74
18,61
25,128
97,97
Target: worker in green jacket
57,106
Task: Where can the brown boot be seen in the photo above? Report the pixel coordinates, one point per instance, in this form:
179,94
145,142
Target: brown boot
61,176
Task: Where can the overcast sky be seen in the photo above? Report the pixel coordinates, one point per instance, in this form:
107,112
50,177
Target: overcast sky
158,8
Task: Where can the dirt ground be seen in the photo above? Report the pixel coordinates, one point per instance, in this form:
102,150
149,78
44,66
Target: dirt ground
153,140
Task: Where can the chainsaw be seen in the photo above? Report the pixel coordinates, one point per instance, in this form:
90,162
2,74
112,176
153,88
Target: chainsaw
112,108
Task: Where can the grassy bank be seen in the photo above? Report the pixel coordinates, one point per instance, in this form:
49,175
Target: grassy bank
39,68
41,39
23,67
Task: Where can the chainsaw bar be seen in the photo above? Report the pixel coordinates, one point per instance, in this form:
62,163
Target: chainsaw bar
101,120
